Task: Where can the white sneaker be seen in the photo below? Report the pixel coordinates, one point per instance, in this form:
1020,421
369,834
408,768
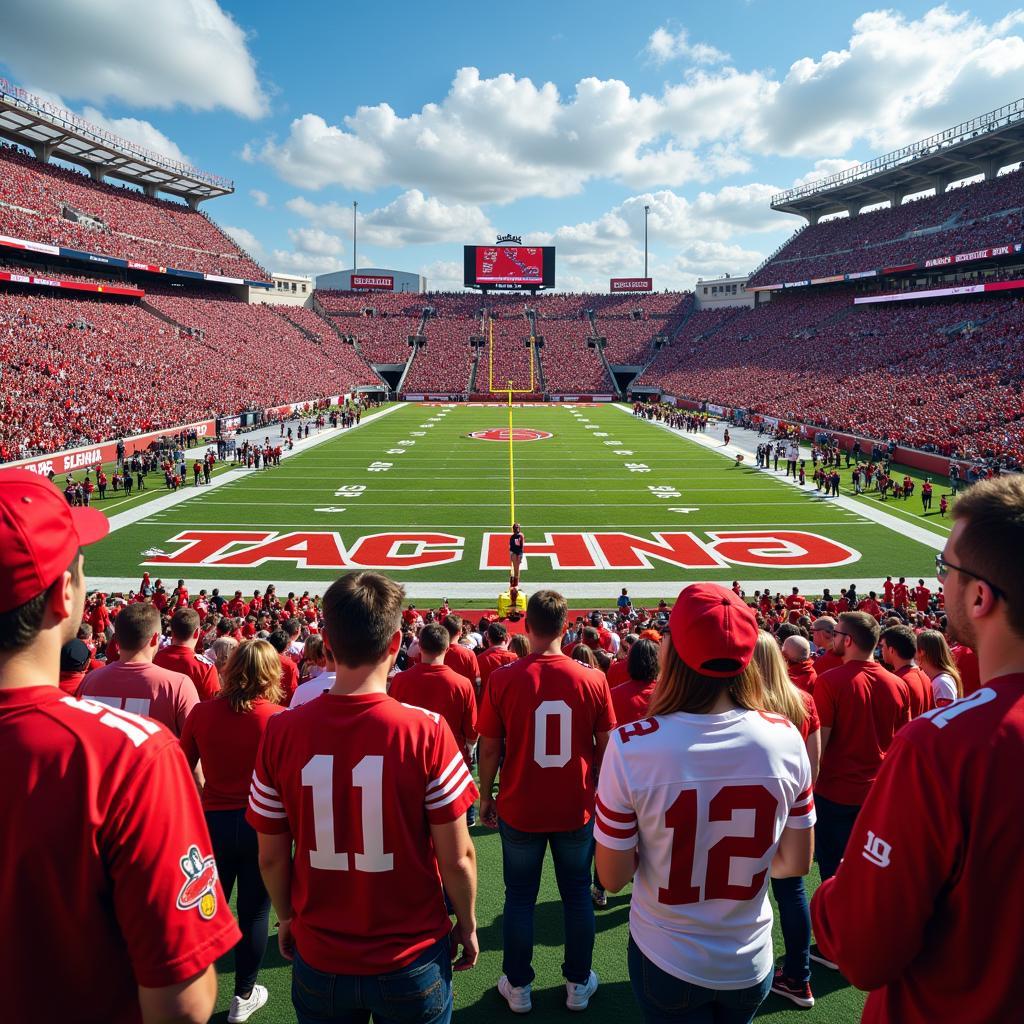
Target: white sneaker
518,999
578,996
242,1009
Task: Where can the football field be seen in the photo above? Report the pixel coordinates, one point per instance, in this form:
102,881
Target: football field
425,492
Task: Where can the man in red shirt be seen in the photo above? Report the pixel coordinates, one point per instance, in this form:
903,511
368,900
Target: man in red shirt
180,654
133,683
460,658
871,606
901,595
795,599
861,705
796,652
922,596
925,909
494,655
105,860
554,716
618,671
887,588
967,665
289,670
373,794
822,633
631,699
899,648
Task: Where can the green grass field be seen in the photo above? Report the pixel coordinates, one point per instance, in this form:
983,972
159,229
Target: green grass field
477,1000
415,474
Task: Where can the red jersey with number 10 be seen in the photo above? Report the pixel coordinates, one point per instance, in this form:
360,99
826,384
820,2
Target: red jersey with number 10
357,781
548,708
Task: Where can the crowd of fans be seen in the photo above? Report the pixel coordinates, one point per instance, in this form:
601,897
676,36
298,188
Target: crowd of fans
962,220
48,203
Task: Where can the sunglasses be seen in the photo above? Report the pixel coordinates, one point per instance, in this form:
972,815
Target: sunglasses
943,566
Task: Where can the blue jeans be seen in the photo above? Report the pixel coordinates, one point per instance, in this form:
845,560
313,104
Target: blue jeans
522,855
795,921
832,832
418,994
665,999
236,851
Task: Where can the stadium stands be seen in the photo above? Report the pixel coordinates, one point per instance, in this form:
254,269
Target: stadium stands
630,340
511,357
570,366
962,220
51,204
444,365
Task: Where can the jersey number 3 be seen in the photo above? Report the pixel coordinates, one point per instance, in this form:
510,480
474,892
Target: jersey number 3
682,817
368,776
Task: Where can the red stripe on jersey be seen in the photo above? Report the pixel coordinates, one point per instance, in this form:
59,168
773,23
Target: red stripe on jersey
804,795
615,833
798,812
625,819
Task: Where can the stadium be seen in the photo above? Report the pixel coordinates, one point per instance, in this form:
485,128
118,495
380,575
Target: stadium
798,433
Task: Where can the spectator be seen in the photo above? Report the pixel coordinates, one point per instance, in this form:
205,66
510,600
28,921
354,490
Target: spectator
457,657
495,654
898,645
289,670
350,918
546,796
220,741
619,671
631,699
133,683
936,661
111,795
519,645
931,877
75,663
822,631
220,652
796,650
180,654
703,950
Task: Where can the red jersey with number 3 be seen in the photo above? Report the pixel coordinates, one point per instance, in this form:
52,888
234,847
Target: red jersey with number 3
705,797
107,875
358,781
548,708
925,909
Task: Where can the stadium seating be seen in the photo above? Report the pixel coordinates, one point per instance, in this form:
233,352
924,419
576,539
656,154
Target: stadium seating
961,220
445,363
511,357
46,203
630,341
570,366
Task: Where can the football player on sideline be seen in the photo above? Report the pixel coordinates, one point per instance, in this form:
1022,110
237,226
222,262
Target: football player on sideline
106,867
924,909
374,795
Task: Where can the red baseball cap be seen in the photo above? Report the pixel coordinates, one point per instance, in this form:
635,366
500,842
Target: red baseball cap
40,534
713,630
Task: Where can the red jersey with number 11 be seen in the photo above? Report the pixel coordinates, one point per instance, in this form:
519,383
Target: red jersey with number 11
358,781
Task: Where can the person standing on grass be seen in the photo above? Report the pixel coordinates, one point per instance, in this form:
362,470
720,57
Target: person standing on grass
105,861
220,741
674,790
554,716
516,542
924,911
360,803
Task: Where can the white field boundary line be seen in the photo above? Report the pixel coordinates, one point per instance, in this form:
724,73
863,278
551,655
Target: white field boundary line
338,524
890,522
144,511
601,593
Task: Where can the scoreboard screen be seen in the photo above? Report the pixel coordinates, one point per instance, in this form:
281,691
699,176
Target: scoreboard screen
509,266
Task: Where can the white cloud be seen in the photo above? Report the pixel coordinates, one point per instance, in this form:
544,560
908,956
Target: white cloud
495,140
443,276
824,169
140,132
410,219
664,46
259,197
317,242
245,238
292,262
145,53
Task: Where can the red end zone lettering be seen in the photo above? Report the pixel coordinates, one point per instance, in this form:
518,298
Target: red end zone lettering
625,551
565,551
518,434
385,550
787,549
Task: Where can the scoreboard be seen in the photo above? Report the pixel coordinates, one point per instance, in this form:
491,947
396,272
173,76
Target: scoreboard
509,266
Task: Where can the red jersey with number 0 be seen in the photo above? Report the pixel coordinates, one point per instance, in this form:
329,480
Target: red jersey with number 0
357,781
705,798
548,708
106,868
925,907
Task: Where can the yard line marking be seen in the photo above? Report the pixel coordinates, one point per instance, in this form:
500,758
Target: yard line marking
660,525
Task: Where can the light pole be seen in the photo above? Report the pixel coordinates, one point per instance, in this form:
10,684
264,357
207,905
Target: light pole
647,211
355,206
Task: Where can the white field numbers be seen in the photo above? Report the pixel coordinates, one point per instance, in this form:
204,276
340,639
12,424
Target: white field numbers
552,709
368,776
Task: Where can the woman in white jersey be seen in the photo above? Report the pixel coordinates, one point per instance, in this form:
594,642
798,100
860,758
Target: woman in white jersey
937,663
700,802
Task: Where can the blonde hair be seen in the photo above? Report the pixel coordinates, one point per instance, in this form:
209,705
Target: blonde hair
680,688
583,654
519,645
254,671
932,644
780,695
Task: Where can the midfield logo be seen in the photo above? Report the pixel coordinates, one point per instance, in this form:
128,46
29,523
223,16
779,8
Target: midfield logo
563,552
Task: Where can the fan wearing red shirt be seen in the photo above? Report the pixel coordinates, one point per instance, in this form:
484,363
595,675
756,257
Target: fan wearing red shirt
494,655
220,740
925,909
796,652
861,706
180,654
871,606
887,588
105,861
457,657
631,699
98,616
373,794
899,648
922,596
289,670
795,600
618,671
967,665
554,715
822,633
901,595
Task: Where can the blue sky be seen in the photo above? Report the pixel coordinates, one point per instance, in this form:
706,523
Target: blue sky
556,121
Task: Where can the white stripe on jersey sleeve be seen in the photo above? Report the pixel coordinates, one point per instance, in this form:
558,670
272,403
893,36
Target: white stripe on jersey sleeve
455,787
263,812
262,788
443,779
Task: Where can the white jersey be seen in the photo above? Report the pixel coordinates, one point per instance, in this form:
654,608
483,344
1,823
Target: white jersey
706,797
311,689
